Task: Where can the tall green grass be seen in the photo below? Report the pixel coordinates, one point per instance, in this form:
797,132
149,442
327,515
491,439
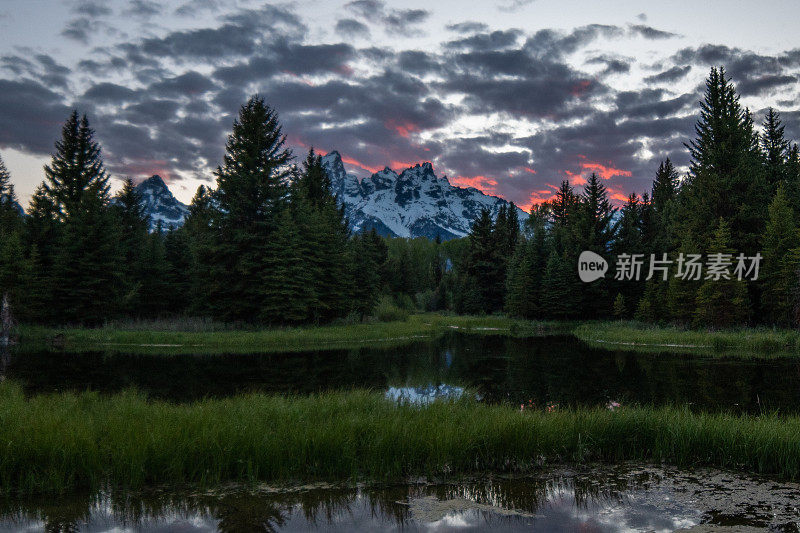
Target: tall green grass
197,336
67,441
637,336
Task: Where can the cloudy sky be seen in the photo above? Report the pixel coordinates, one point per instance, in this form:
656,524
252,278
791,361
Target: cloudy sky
510,96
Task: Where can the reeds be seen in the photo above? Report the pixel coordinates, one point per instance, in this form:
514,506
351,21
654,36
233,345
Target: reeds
63,442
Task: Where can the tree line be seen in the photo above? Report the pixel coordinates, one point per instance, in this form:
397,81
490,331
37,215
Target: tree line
270,243
741,195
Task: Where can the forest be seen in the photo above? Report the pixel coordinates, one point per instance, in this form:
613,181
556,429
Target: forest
270,244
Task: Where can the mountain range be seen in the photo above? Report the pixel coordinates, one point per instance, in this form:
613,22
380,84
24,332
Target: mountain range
414,203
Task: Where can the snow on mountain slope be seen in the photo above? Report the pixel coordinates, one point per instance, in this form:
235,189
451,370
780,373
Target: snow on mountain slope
160,204
415,203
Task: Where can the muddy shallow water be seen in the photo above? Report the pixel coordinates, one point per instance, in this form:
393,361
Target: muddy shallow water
603,499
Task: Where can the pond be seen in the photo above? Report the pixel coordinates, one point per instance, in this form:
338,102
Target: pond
605,499
536,372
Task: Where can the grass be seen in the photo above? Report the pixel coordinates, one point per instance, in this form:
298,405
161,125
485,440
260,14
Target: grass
191,336
68,441
201,336
638,336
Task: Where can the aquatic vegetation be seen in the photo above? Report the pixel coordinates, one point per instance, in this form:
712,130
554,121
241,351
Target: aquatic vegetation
60,442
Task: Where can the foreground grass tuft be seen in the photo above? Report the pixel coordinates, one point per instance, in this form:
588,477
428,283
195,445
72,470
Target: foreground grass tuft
62,442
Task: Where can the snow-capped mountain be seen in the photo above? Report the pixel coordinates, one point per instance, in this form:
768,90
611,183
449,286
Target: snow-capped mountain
415,203
160,204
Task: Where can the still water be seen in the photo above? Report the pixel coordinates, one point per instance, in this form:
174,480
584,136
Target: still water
535,371
608,499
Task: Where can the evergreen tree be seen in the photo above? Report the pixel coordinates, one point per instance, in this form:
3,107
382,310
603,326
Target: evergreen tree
10,216
594,231
779,271
251,193
721,302
178,254
775,148
202,232
483,268
322,240
85,273
561,297
526,269
134,224
726,178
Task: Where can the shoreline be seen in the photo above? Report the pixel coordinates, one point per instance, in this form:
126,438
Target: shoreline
175,338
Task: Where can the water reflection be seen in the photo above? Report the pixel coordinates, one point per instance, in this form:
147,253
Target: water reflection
424,395
558,371
622,498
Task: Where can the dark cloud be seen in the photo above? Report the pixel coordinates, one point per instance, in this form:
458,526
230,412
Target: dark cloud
468,27
368,9
93,8
144,9
495,40
764,84
648,32
31,115
613,65
555,45
190,84
394,20
670,75
79,29
351,28
400,20
513,5
106,92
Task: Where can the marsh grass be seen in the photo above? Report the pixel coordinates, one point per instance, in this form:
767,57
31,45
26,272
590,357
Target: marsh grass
63,442
198,336
637,336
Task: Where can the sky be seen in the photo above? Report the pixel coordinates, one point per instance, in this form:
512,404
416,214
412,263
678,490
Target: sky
511,97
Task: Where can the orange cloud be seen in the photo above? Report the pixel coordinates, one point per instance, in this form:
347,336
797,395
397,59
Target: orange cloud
606,172
482,183
529,169
404,129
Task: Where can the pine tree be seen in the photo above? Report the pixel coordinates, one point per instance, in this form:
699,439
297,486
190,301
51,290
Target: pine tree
722,302
483,267
153,277
779,271
85,273
10,216
251,193
560,291
775,148
134,224
726,178
526,270
323,240
594,231
202,232
178,253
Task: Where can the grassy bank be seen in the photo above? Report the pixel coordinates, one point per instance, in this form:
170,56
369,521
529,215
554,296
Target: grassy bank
191,337
639,336
65,441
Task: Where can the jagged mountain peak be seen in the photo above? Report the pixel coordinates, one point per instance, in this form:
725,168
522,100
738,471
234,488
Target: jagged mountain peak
413,203
160,204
